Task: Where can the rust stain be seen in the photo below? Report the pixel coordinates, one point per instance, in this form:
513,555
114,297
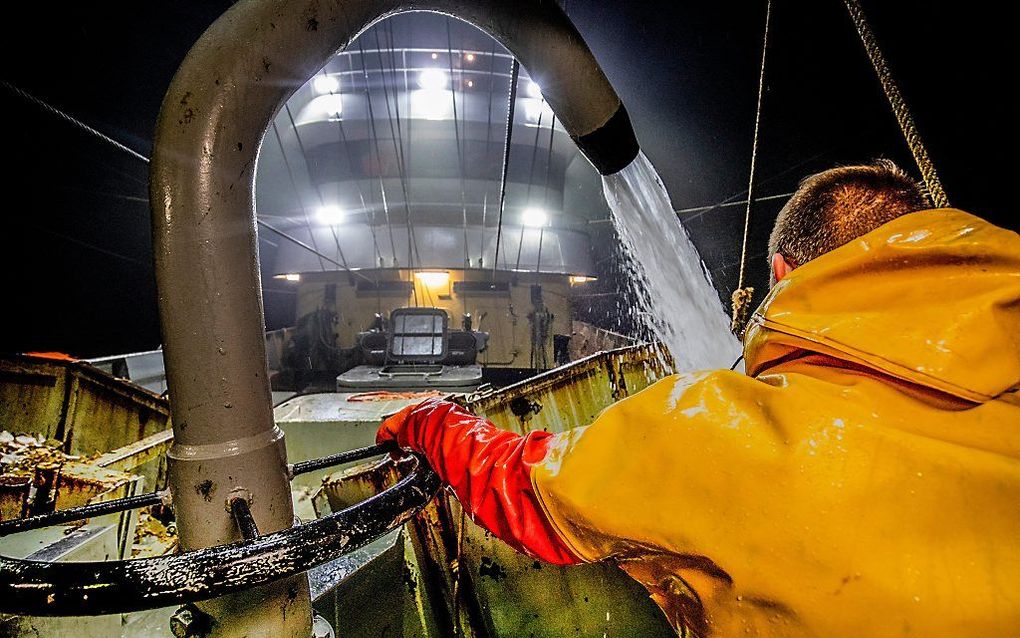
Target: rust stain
206,489
489,568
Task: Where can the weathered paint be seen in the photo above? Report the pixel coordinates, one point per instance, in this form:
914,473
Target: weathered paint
517,595
265,563
13,494
472,585
63,399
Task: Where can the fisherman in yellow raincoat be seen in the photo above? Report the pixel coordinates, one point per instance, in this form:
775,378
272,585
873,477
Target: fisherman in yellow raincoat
862,479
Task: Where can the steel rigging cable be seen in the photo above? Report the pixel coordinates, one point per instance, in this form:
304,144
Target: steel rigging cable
88,129
396,136
297,194
345,145
315,186
515,69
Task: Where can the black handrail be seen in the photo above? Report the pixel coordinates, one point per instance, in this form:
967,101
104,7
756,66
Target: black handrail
15,525
138,501
90,588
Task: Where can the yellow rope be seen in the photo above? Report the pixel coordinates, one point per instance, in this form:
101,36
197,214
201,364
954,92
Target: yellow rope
899,106
741,299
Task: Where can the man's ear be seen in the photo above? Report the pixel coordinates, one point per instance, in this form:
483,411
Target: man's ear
780,267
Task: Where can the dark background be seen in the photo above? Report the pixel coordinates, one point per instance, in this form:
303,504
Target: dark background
74,239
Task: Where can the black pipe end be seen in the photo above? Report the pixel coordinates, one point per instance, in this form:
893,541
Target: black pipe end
612,146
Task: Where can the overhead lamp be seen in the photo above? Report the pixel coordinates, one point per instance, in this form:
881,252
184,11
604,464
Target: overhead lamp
330,215
433,79
470,57
435,56
431,104
331,106
535,110
291,276
433,278
534,217
576,280
326,84
534,90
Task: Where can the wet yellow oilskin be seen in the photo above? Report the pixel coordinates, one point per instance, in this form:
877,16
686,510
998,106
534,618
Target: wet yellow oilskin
862,480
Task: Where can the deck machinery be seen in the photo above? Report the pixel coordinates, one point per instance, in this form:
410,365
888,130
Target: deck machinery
267,531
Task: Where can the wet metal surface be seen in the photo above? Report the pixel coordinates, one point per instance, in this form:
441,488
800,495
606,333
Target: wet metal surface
62,399
44,589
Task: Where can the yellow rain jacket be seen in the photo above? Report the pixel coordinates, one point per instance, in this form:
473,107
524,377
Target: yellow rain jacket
862,479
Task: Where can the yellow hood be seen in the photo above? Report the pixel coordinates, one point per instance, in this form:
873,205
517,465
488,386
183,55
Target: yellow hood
883,301
864,480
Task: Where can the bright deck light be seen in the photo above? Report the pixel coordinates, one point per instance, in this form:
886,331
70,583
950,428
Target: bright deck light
325,84
576,280
433,278
331,106
535,110
291,276
534,217
433,79
534,90
431,104
330,215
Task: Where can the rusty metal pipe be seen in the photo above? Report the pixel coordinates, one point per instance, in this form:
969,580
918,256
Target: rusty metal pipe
212,122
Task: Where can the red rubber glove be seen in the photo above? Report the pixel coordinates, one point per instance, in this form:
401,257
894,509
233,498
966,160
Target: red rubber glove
489,470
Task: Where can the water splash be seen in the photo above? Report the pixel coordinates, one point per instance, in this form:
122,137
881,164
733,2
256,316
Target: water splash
678,301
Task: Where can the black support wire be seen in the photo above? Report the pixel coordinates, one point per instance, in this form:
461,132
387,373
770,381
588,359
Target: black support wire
545,199
298,242
378,156
531,179
488,141
71,120
88,129
297,195
457,138
342,139
396,136
515,69
311,180
382,188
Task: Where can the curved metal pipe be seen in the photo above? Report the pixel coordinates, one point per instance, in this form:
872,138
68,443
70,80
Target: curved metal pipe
114,587
210,127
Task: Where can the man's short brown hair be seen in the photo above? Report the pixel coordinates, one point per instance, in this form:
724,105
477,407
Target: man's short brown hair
841,204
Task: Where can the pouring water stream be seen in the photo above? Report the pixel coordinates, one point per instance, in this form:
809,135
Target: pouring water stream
674,289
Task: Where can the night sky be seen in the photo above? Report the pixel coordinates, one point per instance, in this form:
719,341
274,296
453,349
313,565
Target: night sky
75,244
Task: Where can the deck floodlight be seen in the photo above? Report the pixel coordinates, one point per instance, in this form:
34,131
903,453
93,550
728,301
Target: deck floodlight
332,105
433,278
431,104
330,215
534,217
326,84
433,79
